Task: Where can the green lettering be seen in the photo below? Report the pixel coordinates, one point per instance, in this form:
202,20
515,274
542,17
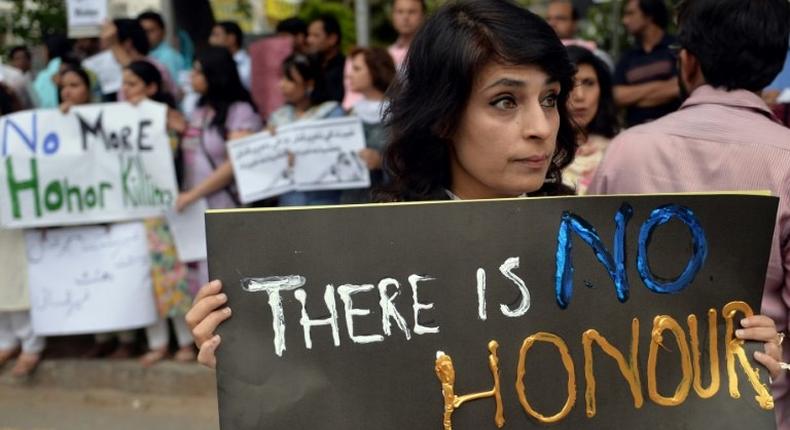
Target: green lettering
54,189
90,198
73,192
126,171
15,187
102,187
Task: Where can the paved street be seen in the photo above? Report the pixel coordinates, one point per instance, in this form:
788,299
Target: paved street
78,394
35,408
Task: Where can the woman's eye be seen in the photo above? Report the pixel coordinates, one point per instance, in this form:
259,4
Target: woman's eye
550,101
504,103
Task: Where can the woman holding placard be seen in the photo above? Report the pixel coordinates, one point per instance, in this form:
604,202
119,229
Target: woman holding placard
143,81
478,112
225,111
299,76
76,86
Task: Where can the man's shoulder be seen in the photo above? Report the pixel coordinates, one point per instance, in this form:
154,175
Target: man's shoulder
652,132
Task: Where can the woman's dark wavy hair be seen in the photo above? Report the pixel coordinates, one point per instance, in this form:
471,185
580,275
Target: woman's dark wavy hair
605,123
224,84
435,84
149,74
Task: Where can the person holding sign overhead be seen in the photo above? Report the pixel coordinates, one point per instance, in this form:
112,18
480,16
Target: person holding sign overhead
480,112
225,112
128,42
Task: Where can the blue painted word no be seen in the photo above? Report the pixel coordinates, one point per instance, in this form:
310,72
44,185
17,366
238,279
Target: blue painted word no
615,264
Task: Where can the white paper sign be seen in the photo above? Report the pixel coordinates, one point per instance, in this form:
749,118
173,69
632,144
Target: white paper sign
189,231
85,17
325,158
98,163
90,279
107,70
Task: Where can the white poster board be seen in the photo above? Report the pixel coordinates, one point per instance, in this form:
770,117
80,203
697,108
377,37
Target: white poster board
189,231
325,158
98,163
90,279
107,70
85,17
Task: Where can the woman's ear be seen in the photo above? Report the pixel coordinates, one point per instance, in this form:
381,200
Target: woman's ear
151,89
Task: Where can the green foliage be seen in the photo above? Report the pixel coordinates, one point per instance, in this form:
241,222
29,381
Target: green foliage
33,23
311,9
600,28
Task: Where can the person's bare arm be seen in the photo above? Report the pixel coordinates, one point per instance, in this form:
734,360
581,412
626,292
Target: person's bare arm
109,39
219,179
648,94
663,92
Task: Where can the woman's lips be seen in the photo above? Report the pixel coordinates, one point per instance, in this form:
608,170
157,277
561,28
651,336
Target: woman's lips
579,112
534,162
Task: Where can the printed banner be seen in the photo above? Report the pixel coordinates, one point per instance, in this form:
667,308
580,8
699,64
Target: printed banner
98,163
324,158
564,313
90,279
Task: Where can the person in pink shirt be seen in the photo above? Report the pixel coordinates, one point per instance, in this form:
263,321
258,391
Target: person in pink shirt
723,138
407,18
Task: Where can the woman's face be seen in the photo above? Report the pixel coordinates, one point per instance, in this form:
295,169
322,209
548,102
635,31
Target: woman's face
583,101
508,133
73,89
294,88
134,88
199,82
360,74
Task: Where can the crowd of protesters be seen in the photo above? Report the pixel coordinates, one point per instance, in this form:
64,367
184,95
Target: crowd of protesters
700,110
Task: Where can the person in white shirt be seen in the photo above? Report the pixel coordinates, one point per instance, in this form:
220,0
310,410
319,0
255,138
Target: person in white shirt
228,34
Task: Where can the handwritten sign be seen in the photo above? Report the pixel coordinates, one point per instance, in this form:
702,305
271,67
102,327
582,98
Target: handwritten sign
98,163
90,279
85,17
325,158
107,70
565,313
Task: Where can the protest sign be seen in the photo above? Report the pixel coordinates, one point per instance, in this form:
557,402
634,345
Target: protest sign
569,313
107,71
90,279
98,163
189,231
85,17
325,158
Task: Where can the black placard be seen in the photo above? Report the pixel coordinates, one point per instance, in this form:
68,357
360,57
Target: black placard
443,248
